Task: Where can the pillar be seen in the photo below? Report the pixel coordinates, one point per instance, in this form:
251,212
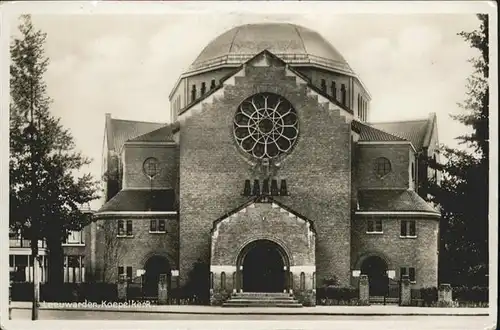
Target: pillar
405,291
122,287
222,283
364,290
445,297
303,280
174,285
163,289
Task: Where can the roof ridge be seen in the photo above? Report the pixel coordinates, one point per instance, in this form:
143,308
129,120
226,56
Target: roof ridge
397,121
167,138
139,121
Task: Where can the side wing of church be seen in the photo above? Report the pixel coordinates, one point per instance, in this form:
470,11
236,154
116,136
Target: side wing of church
270,175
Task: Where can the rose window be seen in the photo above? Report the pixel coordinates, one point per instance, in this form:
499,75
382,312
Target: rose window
266,126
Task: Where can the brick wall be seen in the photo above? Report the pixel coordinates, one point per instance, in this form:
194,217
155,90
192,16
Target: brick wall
135,155
263,221
419,252
315,75
212,170
398,156
133,251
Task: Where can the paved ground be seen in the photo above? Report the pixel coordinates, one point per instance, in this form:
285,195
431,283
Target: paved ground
374,310
294,321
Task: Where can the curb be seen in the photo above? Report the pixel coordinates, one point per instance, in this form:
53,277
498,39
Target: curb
108,310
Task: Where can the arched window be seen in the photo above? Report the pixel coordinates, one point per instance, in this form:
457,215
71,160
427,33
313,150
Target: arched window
223,281
382,166
314,280
343,94
212,84
193,93
203,88
302,281
435,173
256,188
247,190
359,106
334,90
211,280
323,85
412,171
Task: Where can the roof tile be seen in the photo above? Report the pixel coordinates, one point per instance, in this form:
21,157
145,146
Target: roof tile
136,200
413,130
380,200
368,133
123,130
163,134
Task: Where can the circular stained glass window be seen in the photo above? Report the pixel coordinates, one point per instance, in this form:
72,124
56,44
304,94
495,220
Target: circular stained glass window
266,126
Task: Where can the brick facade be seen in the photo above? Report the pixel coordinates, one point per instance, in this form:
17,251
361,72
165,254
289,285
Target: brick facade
323,230
419,252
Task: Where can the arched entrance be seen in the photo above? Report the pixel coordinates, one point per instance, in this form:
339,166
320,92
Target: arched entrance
154,267
376,269
265,267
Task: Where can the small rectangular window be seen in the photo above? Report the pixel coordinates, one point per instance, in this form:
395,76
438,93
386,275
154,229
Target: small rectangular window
120,270
374,226
129,273
411,274
152,225
369,226
121,228
129,227
408,228
402,272
161,225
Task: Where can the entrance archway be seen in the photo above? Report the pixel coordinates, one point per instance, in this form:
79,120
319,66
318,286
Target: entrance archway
376,269
265,267
154,267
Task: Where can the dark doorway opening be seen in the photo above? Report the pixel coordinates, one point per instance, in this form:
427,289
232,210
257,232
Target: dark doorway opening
376,269
154,267
263,268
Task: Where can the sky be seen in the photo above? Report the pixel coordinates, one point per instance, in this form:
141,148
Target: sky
126,65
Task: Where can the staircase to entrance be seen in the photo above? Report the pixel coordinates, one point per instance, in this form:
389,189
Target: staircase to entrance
262,299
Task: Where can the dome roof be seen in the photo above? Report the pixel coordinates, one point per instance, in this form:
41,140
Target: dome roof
294,44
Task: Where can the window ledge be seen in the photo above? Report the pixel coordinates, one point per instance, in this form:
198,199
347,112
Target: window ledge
409,237
158,232
125,236
73,244
374,232
413,282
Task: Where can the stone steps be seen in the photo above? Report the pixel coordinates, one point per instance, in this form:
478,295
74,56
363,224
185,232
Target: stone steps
262,299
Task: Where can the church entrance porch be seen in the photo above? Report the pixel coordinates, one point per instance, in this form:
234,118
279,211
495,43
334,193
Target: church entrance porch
263,267
376,269
155,267
263,247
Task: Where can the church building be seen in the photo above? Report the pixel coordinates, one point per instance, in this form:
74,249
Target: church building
271,174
